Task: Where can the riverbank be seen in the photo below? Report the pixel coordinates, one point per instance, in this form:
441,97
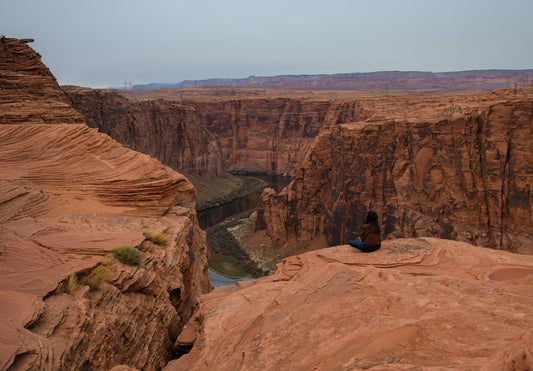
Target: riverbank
228,257
237,250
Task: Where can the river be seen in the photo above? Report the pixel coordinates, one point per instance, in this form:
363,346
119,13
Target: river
218,280
216,215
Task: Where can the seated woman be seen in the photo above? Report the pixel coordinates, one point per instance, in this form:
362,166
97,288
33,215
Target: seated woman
370,234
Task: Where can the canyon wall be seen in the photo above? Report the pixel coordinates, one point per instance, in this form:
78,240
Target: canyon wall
271,135
69,195
161,128
467,178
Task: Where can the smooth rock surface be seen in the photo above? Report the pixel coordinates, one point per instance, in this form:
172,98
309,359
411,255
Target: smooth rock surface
415,304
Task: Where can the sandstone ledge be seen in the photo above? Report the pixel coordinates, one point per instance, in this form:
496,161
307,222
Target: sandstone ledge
415,304
68,196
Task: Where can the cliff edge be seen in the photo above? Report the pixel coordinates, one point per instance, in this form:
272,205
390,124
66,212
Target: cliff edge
69,195
466,178
414,304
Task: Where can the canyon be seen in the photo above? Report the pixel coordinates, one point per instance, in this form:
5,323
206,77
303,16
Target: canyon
436,167
448,165
69,196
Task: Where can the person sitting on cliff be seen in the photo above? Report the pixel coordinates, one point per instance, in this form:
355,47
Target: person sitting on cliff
370,237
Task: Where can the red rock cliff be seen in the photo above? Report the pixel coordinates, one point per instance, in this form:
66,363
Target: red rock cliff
161,128
268,135
29,93
68,196
467,178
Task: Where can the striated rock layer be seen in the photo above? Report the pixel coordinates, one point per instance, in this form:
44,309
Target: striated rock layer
415,304
466,178
271,135
29,93
161,128
68,196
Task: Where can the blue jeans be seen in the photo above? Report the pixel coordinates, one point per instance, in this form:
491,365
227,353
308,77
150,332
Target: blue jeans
361,246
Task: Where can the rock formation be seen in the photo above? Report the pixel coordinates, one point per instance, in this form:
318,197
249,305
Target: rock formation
272,136
68,196
29,93
372,81
467,178
161,128
415,304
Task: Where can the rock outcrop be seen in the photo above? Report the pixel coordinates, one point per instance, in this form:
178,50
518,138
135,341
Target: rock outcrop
68,196
161,128
272,136
415,304
466,178
29,93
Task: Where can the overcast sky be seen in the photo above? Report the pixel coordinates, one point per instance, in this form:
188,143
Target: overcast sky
101,43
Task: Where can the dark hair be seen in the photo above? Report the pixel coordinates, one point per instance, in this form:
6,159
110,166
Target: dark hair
372,220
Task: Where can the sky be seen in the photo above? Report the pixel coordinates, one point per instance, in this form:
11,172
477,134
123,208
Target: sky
101,43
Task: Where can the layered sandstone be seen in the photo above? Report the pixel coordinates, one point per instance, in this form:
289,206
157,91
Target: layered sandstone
271,135
29,93
69,195
161,128
467,178
415,304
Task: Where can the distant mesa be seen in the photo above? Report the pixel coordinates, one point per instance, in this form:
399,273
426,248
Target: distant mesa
418,81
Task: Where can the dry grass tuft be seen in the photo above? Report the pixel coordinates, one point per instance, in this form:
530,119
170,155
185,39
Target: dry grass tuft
159,238
72,284
98,276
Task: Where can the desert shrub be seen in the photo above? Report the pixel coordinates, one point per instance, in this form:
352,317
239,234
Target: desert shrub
127,255
72,283
159,238
98,276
